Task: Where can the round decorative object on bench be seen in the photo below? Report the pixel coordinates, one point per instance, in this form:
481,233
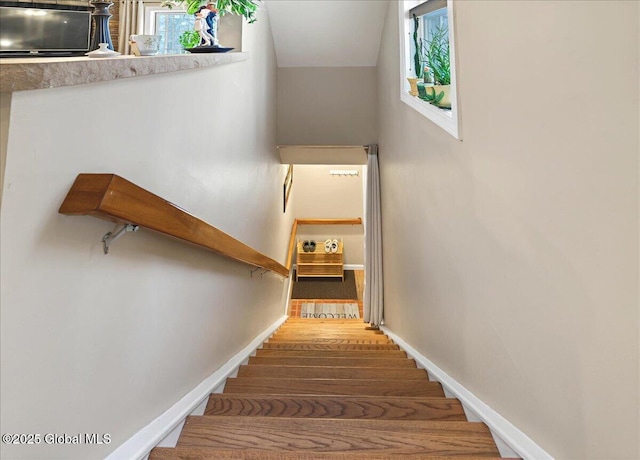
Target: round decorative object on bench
102,52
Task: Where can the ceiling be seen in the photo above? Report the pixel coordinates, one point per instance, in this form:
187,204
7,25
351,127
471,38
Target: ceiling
326,33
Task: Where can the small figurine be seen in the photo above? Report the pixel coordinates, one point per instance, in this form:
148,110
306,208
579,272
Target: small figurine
212,22
201,27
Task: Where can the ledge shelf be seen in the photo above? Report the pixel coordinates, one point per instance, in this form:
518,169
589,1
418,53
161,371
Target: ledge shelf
21,74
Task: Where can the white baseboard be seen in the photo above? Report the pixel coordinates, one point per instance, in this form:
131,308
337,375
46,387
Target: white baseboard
166,428
510,440
353,267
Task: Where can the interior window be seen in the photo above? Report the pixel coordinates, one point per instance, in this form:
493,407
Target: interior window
170,25
427,40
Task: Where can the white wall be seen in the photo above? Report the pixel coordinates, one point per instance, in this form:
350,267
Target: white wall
327,106
5,108
104,344
326,33
316,194
511,258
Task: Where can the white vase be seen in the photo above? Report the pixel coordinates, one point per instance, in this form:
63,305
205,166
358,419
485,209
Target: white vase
102,52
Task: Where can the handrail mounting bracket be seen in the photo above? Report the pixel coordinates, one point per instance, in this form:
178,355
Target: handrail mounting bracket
110,237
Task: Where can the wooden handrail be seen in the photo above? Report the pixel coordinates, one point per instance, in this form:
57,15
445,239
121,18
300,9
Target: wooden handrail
110,197
310,221
292,243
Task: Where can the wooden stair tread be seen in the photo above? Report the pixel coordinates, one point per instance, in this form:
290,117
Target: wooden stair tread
363,387
336,340
199,453
329,330
305,330
325,328
332,353
354,325
329,389
332,435
327,346
352,407
333,372
341,362
294,320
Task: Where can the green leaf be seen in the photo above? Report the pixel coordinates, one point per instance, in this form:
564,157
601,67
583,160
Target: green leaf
193,5
429,94
245,8
417,61
189,39
436,55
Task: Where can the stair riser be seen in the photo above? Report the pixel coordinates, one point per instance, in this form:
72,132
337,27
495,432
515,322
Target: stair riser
332,353
326,346
337,407
338,362
289,372
324,337
324,329
333,387
334,340
333,334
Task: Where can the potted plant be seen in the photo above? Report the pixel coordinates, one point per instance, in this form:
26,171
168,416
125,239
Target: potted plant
435,53
189,39
417,59
245,8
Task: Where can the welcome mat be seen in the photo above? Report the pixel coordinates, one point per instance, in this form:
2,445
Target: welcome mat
295,306
326,288
330,310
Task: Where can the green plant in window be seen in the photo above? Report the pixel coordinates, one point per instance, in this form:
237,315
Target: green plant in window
435,52
245,8
432,96
417,55
189,39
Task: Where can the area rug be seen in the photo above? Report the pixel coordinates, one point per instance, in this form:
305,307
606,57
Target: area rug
326,288
330,310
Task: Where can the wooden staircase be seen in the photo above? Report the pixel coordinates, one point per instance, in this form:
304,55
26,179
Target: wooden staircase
329,389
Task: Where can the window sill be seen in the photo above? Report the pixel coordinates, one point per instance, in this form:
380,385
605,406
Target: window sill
21,74
443,118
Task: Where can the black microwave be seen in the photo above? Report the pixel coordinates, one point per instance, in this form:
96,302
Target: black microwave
37,29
